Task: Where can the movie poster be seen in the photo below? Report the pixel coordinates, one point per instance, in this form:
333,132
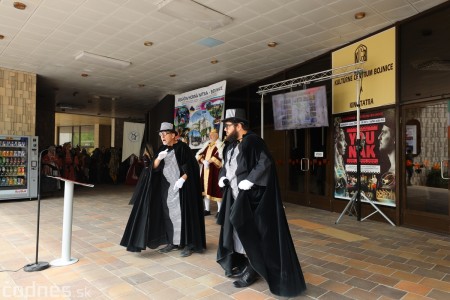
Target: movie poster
377,156
198,112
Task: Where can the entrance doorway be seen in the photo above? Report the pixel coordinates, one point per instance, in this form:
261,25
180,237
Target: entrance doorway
425,194
307,163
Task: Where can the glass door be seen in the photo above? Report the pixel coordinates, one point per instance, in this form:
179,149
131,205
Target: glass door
307,163
426,155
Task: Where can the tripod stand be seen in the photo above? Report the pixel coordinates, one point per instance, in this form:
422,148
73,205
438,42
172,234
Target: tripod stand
351,207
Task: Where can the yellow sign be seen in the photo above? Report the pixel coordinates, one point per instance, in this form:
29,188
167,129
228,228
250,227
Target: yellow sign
378,79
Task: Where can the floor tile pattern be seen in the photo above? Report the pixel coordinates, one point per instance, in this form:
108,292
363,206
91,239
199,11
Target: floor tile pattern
348,260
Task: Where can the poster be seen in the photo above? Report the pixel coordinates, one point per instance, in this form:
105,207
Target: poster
199,111
377,156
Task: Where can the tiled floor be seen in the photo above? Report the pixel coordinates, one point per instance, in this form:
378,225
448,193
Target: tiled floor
351,260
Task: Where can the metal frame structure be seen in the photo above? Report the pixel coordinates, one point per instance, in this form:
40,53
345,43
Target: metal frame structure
355,69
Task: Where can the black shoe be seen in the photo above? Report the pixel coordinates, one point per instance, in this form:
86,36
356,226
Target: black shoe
187,251
206,213
168,248
217,214
247,279
237,271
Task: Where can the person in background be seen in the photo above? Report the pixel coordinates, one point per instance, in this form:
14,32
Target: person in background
69,162
210,160
409,166
172,214
254,237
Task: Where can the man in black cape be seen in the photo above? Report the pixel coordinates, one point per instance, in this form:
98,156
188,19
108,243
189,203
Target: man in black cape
254,237
170,209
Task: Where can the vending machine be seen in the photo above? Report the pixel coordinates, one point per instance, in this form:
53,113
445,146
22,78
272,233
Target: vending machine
19,172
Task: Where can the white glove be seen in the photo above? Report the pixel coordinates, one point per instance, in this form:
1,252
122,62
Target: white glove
162,154
206,164
245,185
179,183
221,183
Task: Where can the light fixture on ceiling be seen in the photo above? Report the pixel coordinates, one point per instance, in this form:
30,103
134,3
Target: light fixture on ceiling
435,65
214,61
173,75
70,106
19,5
194,12
101,60
84,75
360,15
148,43
272,44
141,85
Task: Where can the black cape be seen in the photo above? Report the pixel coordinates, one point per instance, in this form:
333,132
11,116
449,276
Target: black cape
146,226
258,217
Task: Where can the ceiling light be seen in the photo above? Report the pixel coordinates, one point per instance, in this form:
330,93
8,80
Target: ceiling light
84,75
101,60
272,44
360,15
70,106
435,65
148,43
173,75
194,12
141,85
214,61
20,5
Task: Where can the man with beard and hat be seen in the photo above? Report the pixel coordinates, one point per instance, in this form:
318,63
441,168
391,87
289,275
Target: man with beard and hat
210,160
172,213
254,238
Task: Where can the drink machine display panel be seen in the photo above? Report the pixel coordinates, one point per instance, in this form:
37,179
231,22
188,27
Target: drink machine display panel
18,167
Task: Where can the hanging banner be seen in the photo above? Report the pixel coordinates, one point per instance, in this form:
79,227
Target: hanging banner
132,139
378,78
377,160
199,111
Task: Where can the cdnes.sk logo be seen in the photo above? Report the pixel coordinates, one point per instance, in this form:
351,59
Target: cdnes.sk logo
133,136
361,54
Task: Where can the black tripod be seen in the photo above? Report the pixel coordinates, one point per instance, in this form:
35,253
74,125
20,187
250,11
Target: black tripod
37,265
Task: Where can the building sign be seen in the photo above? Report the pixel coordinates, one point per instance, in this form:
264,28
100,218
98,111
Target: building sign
378,78
377,156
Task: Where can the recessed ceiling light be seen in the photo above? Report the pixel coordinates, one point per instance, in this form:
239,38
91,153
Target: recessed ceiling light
173,75
84,75
148,43
20,5
214,61
360,15
272,44
2,36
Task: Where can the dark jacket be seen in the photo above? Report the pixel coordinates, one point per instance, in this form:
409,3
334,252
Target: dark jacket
258,217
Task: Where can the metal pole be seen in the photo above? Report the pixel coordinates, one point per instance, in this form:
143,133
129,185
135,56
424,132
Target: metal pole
262,116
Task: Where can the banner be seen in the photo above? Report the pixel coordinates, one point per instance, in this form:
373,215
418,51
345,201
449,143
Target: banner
199,111
132,139
377,157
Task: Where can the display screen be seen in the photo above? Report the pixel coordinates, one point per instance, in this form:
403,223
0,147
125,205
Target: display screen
300,109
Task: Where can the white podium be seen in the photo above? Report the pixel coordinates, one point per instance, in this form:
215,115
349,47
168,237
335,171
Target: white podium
66,258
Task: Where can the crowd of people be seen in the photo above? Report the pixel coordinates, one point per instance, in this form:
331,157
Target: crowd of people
74,163
173,195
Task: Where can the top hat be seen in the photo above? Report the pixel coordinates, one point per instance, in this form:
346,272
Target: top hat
235,115
166,126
